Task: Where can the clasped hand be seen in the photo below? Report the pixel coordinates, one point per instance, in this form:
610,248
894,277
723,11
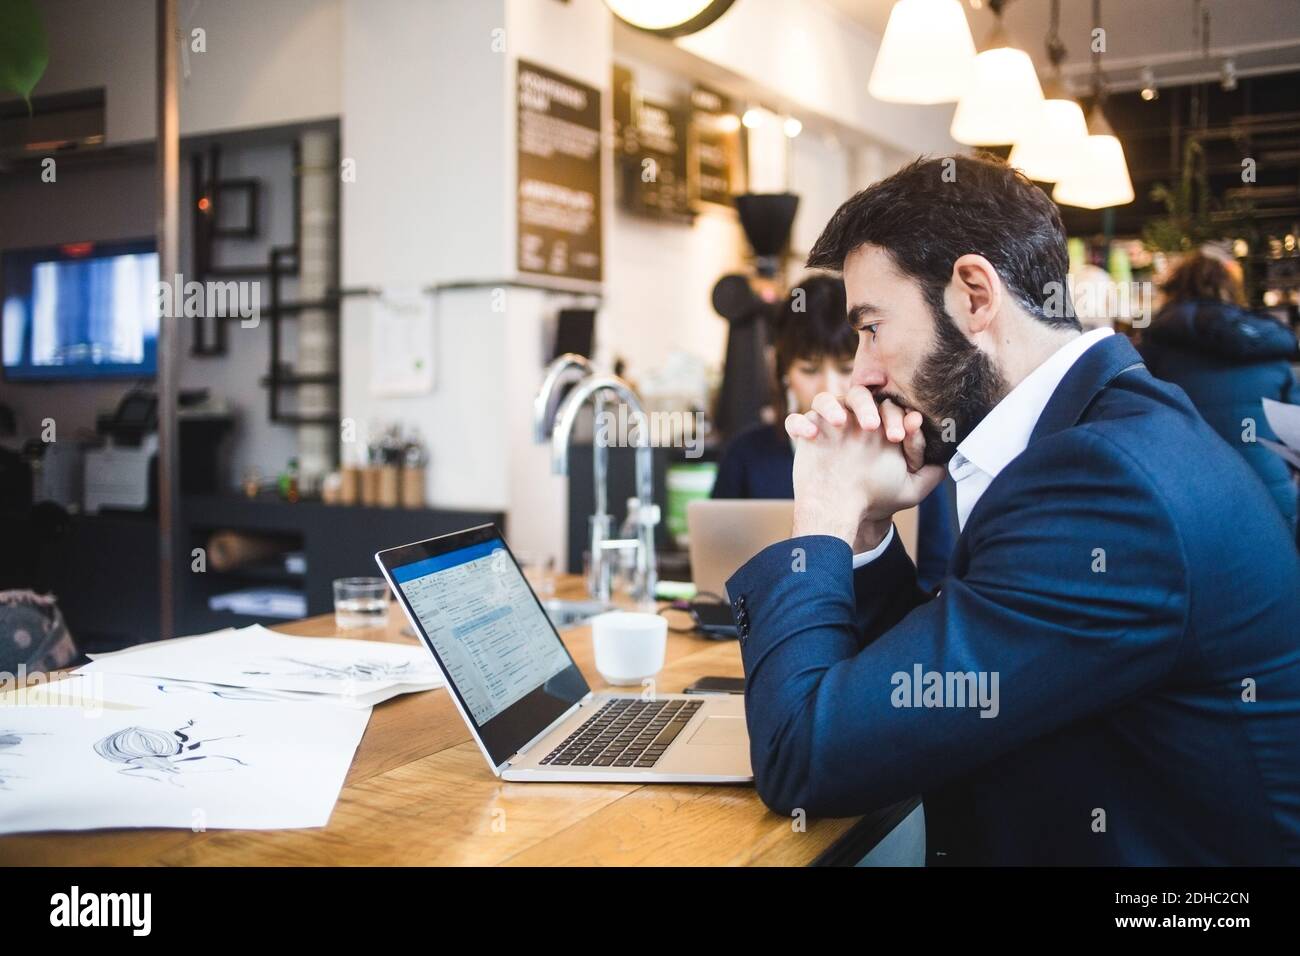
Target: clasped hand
857,463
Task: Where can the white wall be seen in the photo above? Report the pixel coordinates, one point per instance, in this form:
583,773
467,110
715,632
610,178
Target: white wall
658,293
266,63
462,418
424,101
429,117
820,173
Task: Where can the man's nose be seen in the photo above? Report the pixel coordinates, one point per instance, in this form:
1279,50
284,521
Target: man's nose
867,370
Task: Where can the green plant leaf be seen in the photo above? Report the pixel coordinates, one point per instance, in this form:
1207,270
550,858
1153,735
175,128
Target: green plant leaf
24,51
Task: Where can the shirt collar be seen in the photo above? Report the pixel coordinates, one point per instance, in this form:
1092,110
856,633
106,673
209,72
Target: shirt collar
1004,432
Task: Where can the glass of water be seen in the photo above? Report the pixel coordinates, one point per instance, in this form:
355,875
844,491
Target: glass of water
360,602
539,570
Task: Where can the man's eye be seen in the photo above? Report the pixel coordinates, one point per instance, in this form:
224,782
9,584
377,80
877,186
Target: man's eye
871,327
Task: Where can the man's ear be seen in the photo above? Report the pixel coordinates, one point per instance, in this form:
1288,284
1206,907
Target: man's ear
977,290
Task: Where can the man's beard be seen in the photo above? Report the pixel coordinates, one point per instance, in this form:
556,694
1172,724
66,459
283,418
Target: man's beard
955,386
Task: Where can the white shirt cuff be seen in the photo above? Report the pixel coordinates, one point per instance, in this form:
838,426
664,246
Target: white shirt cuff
866,557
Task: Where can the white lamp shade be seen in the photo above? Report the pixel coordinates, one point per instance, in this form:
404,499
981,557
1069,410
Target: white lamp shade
926,55
1101,179
1002,102
1050,149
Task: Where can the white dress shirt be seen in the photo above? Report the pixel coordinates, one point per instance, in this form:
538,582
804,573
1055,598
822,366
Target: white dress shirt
1003,434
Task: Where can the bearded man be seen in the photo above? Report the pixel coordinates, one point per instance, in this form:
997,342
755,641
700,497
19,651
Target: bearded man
1123,583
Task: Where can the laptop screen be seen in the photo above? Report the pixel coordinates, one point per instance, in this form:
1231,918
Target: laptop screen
504,661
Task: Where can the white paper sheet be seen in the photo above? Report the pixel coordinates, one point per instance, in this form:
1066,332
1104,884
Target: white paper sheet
401,342
361,699
193,761
362,672
1285,421
68,692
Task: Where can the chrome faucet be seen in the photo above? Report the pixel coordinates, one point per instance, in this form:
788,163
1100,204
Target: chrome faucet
568,369
565,370
597,388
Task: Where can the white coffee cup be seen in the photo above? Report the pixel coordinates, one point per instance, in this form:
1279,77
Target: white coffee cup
629,645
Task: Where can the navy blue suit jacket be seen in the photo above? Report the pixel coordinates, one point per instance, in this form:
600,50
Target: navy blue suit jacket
1136,592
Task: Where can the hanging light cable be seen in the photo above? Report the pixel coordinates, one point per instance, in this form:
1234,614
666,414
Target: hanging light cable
1004,97
1050,148
1101,178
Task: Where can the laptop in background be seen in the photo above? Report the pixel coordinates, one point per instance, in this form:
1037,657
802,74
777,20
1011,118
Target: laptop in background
724,533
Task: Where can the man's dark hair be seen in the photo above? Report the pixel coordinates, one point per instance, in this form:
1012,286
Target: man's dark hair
933,211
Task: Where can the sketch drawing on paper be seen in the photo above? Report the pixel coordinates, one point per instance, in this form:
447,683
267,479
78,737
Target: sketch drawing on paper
363,670
10,741
8,748
162,755
225,693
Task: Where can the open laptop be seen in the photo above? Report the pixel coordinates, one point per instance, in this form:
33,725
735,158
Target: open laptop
724,533
522,696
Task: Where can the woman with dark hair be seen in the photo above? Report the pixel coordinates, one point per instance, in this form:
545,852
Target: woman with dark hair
814,347
1226,358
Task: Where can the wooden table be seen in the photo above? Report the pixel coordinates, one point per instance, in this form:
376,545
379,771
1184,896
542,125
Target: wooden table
419,792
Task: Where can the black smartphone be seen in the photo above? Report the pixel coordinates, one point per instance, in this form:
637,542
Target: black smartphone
713,619
717,685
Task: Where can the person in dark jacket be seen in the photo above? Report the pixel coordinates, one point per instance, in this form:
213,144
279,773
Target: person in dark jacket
814,346
1226,359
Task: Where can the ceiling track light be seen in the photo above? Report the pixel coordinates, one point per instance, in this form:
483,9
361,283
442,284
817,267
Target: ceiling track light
1228,75
1147,77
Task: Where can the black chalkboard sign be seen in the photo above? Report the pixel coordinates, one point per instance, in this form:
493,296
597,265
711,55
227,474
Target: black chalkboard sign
558,197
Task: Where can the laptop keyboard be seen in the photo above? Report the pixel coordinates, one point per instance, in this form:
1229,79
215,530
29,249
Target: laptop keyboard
625,732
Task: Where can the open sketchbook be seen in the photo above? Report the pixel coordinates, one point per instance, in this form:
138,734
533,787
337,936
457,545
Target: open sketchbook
143,753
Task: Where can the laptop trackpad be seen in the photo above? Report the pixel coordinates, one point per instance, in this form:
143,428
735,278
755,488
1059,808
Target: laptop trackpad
720,731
